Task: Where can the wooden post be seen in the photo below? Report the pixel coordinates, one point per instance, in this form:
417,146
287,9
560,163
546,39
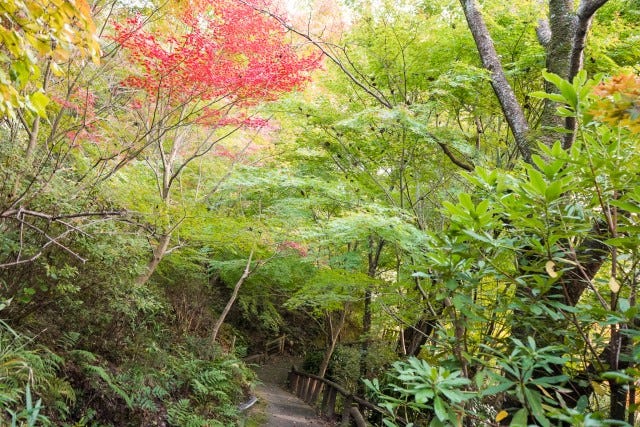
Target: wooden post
346,411
331,401
316,392
325,400
301,383
357,417
312,386
307,384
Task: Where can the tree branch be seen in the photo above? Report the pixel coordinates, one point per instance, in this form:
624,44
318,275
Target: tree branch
510,106
586,10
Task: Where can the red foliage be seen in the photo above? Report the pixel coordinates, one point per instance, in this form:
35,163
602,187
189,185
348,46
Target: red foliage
82,103
298,247
222,53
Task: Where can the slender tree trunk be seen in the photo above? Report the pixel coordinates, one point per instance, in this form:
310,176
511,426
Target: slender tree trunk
159,251
161,248
374,258
416,336
334,334
234,295
366,331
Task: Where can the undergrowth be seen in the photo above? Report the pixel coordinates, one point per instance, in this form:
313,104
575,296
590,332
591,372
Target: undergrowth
76,387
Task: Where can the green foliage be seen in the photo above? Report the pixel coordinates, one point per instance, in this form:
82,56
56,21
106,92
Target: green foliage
30,414
416,387
611,43
510,251
329,290
29,381
521,378
194,391
472,259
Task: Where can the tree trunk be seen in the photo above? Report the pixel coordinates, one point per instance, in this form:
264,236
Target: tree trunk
334,333
234,295
562,24
511,108
366,331
416,336
565,46
159,251
374,259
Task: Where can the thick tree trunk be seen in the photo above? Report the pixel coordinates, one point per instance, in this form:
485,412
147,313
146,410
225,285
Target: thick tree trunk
562,23
565,51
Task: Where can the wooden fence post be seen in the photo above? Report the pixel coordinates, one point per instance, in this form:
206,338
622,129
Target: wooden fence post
346,411
316,391
355,409
357,417
307,384
325,400
312,385
331,402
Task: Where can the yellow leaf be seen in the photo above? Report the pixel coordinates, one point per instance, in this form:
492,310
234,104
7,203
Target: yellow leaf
501,415
614,285
544,391
550,271
598,389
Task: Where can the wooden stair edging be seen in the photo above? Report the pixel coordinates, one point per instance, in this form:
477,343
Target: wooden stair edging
308,387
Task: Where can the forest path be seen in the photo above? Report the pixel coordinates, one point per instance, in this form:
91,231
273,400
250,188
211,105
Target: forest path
283,409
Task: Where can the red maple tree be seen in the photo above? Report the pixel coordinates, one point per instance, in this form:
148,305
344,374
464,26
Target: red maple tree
219,54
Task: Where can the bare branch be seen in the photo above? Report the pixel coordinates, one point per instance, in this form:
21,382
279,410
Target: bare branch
49,217
452,157
51,241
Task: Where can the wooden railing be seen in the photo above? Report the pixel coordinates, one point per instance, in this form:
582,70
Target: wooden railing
271,348
309,387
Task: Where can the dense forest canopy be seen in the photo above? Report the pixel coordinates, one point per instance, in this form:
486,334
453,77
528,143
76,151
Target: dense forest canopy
436,201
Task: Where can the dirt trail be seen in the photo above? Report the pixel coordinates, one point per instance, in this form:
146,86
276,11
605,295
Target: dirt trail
283,408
